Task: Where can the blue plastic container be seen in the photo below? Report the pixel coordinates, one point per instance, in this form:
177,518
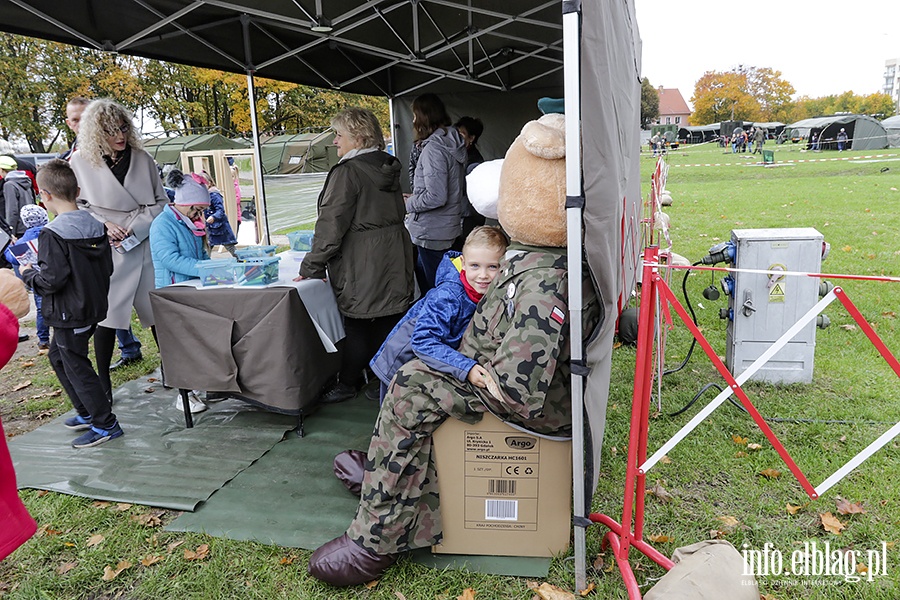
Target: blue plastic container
255,252
218,272
301,241
258,271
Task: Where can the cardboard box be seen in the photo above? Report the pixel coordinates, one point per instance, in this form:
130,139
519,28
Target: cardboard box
503,492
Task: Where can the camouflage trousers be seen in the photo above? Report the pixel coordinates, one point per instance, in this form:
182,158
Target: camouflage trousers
399,505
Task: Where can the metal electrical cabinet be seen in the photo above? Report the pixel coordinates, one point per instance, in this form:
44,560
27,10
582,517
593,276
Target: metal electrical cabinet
763,307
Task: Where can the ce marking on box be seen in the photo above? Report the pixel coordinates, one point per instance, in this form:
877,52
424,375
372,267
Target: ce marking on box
519,470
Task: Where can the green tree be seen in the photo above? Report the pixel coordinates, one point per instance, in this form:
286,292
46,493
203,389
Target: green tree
771,92
649,103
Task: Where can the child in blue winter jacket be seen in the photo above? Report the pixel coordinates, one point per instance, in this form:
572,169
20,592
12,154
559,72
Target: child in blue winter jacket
218,229
34,218
432,329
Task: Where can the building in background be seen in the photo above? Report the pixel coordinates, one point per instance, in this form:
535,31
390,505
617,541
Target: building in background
891,81
673,110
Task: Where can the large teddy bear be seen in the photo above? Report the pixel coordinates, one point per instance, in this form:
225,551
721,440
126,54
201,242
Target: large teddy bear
519,334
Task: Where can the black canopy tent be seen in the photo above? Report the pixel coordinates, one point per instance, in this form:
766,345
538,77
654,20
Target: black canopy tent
486,57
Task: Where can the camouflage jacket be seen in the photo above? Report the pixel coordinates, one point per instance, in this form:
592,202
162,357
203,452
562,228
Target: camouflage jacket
520,334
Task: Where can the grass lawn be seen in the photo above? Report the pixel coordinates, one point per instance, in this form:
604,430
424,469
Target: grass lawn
712,481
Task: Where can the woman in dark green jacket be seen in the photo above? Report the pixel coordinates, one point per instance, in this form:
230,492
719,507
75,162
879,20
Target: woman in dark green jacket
361,245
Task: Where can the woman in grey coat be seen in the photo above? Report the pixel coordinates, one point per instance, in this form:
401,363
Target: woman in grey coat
120,187
435,207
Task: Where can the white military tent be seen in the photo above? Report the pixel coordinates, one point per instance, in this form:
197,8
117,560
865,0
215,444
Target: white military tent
892,129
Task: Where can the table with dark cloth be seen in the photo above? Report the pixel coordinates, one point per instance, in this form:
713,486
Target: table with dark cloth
259,344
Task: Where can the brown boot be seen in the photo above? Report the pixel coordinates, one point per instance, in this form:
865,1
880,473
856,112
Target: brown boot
349,467
343,562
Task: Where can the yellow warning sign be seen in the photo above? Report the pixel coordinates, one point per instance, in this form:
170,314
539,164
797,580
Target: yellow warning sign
776,294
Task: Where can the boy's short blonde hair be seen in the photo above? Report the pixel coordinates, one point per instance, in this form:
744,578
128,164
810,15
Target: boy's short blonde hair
57,177
486,237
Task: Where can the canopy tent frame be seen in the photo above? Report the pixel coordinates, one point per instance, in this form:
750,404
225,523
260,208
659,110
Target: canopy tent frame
395,48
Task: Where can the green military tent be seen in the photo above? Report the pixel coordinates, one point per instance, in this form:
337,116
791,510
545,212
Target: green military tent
167,150
299,153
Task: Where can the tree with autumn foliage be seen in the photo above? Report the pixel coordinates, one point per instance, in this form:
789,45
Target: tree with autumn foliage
38,77
745,93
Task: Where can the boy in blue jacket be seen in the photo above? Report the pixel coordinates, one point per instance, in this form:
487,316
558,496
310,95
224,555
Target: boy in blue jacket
34,218
72,275
432,329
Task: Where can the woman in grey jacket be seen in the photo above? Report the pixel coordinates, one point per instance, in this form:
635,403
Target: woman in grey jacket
434,209
120,187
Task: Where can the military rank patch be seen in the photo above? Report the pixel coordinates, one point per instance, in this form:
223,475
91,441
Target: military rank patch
558,315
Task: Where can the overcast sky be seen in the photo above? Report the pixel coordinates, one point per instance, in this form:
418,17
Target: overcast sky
819,50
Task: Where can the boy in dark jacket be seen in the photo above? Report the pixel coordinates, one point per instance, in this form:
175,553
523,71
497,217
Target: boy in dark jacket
72,275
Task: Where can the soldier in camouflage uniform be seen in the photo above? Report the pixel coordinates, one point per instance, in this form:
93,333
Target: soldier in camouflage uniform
519,333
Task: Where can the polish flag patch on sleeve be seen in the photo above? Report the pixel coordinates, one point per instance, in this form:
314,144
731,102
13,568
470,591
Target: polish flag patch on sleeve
558,315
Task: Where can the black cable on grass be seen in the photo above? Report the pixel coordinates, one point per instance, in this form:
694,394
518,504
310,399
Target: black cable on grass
687,301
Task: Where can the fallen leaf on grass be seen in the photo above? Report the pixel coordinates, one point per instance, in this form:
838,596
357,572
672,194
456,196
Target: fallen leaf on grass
47,530
28,364
889,314
660,492
831,523
740,454
847,248
739,440
845,507
548,591
65,568
599,563
792,509
44,414
770,473
174,545
717,534
22,386
849,326
861,568
588,589
122,506
666,460
99,504
110,573
371,585
468,594
151,559
95,539
200,553
400,596
728,521
660,539
754,446
287,560
43,493
148,520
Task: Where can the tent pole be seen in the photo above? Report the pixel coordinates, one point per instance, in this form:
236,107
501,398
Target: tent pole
574,215
393,125
262,215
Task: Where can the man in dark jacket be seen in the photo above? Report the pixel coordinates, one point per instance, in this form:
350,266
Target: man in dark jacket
72,275
17,192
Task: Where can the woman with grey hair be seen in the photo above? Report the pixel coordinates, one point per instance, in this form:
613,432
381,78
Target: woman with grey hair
360,245
120,187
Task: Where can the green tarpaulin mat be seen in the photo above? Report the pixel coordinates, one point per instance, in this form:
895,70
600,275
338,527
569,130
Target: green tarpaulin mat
290,496
158,462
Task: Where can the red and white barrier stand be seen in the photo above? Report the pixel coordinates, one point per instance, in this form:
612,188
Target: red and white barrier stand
656,295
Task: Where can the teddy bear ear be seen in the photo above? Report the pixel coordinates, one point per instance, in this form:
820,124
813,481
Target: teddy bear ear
546,137
483,187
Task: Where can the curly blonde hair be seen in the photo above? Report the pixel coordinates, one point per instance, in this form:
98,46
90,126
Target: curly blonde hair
101,119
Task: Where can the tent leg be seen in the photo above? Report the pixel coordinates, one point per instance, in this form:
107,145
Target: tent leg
262,215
